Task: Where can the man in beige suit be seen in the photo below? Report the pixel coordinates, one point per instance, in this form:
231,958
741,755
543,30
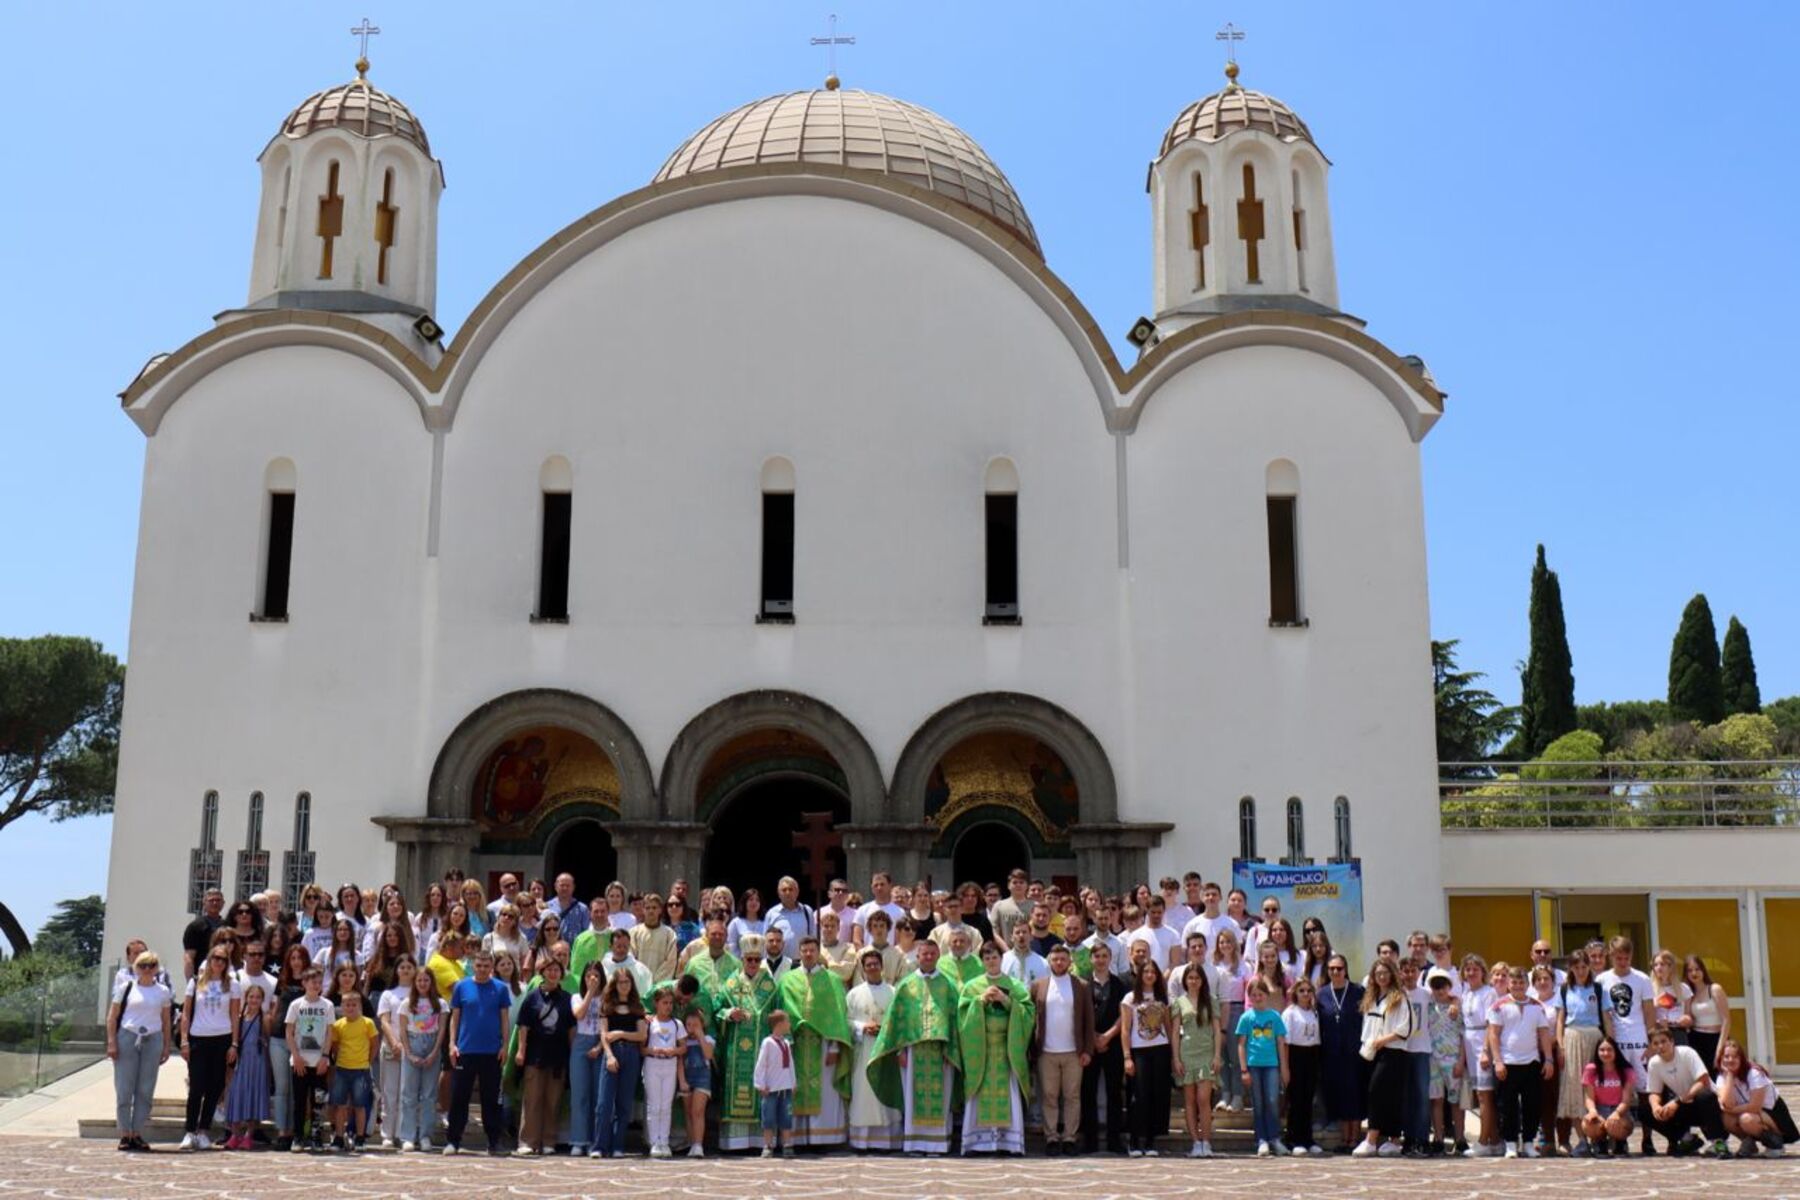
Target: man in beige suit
1064,1045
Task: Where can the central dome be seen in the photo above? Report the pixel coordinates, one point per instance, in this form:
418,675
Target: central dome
864,131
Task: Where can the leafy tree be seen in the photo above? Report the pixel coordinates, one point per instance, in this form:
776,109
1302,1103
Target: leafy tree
1547,686
1785,713
1696,693
1615,723
75,931
1737,671
1469,718
60,699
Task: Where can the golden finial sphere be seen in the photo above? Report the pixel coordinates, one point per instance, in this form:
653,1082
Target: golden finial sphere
831,83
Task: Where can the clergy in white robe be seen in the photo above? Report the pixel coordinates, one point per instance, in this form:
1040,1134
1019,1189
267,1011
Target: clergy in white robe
873,1125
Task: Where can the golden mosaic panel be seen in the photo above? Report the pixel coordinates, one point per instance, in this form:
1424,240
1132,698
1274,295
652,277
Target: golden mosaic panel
538,770
1006,770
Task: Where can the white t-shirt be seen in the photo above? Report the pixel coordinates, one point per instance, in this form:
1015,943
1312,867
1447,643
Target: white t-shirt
1209,927
1161,940
1178,978
1150,1027
1176,916
1519,1023
1756,1092
1025,968
143,1006
621,920
664,1035
1302,1025
263,980
1678,1074
1420,1040
1059,1014
310,1021
209,1015
1626,995
393,1000
894,912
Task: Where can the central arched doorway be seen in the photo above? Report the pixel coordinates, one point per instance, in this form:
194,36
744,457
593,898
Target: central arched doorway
584,849
986,853
775,825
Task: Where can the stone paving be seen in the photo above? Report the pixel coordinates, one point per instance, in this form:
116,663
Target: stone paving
92,1170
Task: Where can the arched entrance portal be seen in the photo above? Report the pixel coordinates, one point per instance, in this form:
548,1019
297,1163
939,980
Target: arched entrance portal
773,826
987,852
582,848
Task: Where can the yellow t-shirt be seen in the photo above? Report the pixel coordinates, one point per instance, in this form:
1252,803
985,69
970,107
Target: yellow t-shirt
447,972
355,1042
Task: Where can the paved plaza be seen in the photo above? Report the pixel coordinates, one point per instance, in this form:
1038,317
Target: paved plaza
91,1170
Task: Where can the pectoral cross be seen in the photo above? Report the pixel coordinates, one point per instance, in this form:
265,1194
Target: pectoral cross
331,220
1250,225
386,217
831,41
818,839
1199,231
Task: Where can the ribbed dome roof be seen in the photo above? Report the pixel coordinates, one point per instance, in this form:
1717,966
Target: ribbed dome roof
359,107
1224,113
862,130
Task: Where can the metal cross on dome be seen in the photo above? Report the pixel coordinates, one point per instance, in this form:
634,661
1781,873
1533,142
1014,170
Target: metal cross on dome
831,41
1230,35
364,31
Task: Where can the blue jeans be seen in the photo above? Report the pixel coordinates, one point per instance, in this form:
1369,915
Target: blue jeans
1265,1103
618,1093
584,1089
1418,1098
1231,1084
281,1065
418,1092
134,1078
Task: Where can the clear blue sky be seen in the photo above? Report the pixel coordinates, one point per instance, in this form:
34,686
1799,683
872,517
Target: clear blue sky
1582,216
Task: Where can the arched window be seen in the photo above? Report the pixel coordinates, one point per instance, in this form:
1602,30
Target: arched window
1247,829
253,860
1340,819
1002,500
297,864
206,861
556,481
777,604
1250,226
1282,482
1296,833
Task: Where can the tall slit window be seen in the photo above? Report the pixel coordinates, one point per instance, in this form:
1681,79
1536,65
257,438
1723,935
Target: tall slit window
253,860
1283,508
1340,820
205,863
1299,233
1002,521
776,603
1296,833
297,864
273,579
1247,829
554,540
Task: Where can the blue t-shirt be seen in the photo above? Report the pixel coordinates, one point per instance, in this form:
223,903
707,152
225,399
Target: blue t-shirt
1581,1004
478,1030
1259,1027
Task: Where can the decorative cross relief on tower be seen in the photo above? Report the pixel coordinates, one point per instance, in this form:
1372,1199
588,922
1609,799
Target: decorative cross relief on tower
206,862
253,860
1199,230
1250,226
331,220
386,221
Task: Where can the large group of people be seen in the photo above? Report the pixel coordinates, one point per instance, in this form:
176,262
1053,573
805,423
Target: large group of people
911,1020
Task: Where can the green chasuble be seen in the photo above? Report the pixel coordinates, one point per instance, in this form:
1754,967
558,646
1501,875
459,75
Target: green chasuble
742,1040
963,969
994,1042
922,1019
815,1006
712,975
1082,959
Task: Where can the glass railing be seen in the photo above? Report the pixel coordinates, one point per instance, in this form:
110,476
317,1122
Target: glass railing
51,1024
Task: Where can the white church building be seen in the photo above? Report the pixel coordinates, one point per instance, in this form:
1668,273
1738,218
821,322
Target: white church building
787,513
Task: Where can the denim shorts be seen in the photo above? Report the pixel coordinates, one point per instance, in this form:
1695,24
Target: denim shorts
778,1110
350,1086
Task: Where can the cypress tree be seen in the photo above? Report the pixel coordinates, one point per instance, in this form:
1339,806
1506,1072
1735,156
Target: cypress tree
1737,671
1696,692
1547,689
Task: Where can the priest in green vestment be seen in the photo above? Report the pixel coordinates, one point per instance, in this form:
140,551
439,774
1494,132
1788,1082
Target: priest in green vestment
995,1020
711,965
962,963
913,1063
741,1012
813,998
1081,957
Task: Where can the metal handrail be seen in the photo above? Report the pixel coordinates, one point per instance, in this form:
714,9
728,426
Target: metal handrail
1669,794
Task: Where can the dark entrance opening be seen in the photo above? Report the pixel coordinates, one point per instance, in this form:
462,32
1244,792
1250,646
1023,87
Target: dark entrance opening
584,849
754,832
988,852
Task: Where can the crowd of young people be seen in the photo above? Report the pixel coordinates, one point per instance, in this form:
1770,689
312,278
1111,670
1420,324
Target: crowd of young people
911,1020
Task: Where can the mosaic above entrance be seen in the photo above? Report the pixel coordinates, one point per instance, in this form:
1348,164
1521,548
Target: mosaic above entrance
1012,772
536,771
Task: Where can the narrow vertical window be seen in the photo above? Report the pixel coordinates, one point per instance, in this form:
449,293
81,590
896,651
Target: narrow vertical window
1002,522
1340,820
297,864
279,560
205,861
1247,829
553,569
1250,226
1283,483
777,603
253,860
387,223
1299,232
1296,833
331,219
1199,231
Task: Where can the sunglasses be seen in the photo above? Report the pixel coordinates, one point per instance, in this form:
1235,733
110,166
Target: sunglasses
1335,970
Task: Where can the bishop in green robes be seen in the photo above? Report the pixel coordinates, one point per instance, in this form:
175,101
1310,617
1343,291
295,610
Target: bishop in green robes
813,998
995,1021
741,1012
711,965
962,963
913,1064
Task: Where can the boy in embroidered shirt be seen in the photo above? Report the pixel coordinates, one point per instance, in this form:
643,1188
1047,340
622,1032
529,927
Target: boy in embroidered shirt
774,1080
351,1049
1518,1044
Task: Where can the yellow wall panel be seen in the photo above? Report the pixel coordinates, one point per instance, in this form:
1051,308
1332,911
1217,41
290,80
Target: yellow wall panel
1781,933
1787,1036
1708,928
1495,927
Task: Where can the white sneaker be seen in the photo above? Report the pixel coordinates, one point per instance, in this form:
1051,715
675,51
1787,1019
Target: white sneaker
1280,1148
1389,1150
1512,1151
1529,1150
1262,1150
202,1142
1363,1150
659,1152
1151,1152
767,1153
1316,1150
696,1151
188,1142
1206,1150
451,1149
595,1153
407,1147
1194,1152
1134,1152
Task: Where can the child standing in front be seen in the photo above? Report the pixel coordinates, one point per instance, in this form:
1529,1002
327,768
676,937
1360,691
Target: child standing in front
247,1096
662,1053
1301,1022
1444,1020
693,1079
1262,1048
1518,1045
308,1037
774,1080
352,1050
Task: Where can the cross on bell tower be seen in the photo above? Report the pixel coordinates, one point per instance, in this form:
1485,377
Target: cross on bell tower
365,31
831,41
